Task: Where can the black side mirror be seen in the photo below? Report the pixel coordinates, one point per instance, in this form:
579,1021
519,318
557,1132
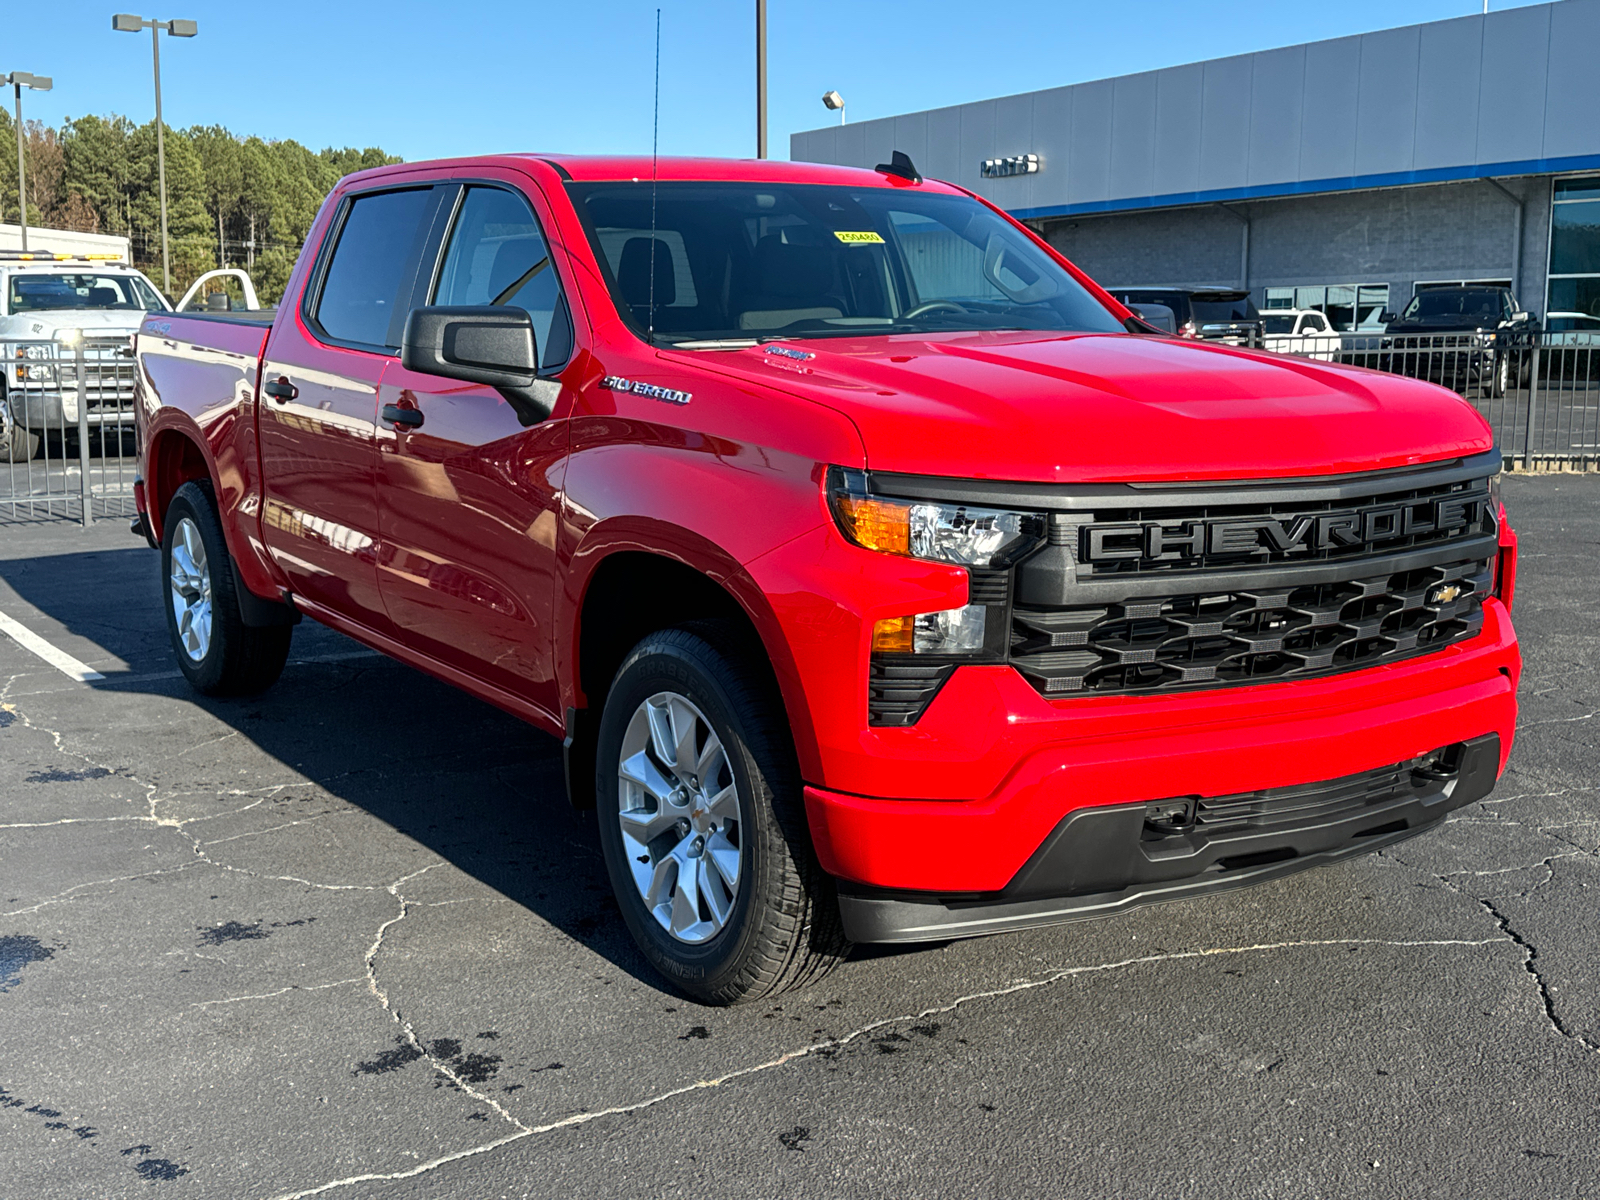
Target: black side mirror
1386,316
484,344
1159,315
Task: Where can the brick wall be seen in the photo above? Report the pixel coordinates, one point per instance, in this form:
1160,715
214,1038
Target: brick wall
1395,236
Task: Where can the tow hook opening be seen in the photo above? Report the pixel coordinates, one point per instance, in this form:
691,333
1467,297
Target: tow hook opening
1163,818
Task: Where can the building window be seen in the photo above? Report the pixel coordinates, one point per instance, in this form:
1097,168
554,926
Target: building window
1349,307
1575,248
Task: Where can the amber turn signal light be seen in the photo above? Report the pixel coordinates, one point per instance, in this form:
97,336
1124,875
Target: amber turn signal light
894,635
876,524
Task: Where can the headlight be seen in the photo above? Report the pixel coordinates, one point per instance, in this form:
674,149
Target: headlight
36,363
966,535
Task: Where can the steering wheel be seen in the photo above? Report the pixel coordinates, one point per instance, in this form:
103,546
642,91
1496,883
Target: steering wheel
933,306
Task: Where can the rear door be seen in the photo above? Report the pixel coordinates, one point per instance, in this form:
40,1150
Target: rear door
319,400
468,494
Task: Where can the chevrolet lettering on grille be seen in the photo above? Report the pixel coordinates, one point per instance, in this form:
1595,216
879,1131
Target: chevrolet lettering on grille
1302,533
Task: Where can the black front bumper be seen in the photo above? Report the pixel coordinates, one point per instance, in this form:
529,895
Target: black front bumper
1110,859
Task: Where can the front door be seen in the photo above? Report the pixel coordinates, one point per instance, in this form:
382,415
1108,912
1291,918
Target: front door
468,494
319,403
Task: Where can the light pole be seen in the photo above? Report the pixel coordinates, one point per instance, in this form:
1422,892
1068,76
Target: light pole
123,23
761,78
834,102
39,83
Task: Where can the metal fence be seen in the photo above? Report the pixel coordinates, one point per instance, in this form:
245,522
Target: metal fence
67,440
66,429
1539,391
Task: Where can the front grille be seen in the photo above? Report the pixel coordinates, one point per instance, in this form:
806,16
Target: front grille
1199,640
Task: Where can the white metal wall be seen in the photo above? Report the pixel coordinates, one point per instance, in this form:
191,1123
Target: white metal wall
1424,103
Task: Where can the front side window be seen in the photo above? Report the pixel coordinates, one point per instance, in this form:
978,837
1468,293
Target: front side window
38,292
363,280
747,261
498,256
1278,324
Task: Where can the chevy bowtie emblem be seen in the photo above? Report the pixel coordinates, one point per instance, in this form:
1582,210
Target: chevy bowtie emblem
616,383
1445,593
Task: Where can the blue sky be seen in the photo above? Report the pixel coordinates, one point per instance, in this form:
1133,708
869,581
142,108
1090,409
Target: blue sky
430,80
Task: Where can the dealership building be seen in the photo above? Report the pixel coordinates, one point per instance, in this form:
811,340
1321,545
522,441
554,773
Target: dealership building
1341,175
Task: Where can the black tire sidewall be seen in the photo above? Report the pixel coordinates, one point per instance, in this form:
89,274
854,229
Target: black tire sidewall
680,665
190,501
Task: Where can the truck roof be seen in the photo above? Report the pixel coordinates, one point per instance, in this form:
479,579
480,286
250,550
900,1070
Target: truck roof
603,168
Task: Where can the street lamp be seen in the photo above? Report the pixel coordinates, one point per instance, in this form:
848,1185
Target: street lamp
39,83
123,23
834,102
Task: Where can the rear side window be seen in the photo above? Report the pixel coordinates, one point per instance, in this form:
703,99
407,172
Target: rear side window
498,256
370,261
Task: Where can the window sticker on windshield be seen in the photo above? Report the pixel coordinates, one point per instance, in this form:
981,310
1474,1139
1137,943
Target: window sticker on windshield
865,238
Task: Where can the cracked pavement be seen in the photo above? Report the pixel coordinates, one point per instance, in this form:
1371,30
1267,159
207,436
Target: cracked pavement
346,939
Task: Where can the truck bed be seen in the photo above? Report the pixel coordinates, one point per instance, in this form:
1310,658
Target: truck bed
235,333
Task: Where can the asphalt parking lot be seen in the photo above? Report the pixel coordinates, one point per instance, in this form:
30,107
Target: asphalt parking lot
347,939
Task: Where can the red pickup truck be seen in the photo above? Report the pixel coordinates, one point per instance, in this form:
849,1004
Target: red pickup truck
885,578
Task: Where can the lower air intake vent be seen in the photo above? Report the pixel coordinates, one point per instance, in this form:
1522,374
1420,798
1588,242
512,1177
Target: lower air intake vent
900,689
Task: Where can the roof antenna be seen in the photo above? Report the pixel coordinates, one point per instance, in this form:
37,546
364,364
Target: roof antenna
655,143
900,164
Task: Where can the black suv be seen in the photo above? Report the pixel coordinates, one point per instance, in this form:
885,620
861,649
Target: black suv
1215,314
1461,337
1457,310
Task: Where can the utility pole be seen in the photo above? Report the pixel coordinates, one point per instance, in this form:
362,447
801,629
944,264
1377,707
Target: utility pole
761,78
123,23
39,83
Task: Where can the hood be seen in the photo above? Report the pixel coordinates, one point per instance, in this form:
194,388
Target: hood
1081,408
93,321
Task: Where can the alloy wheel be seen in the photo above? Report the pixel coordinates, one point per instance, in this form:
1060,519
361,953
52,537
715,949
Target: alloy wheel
680,812
191,590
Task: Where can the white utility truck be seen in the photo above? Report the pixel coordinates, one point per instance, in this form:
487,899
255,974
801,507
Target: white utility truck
48,304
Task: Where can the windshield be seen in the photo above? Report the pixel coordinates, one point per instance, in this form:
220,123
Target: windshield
1452,303
40,292
1278,324
747,261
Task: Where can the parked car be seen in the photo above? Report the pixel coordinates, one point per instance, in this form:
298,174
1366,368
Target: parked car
1575,329
1571,348
884,578
1455,336
43,297
1302,331
1215,314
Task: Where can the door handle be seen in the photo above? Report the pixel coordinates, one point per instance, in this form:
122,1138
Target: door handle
396,415
280,390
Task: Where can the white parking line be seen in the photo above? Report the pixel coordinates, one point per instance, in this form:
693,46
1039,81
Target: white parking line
59,659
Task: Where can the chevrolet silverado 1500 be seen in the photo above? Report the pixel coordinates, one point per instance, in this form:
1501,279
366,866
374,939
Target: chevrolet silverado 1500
885,579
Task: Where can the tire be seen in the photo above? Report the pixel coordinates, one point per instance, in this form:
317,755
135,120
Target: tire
1502,375
778,926
216,651
19,444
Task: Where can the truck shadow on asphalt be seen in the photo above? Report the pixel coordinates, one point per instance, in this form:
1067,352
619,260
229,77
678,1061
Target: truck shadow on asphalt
475,786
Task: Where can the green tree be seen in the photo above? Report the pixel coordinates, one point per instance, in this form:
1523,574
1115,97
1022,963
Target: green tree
222,165
97,166
228,199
